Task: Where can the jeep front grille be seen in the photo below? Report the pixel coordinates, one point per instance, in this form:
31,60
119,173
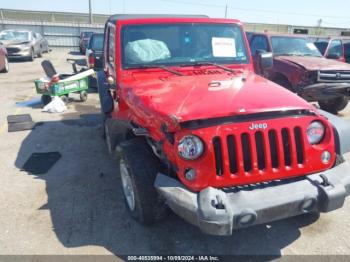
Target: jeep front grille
259,151
332,76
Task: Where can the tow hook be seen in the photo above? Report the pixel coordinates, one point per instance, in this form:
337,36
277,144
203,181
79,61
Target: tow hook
218,204
325,181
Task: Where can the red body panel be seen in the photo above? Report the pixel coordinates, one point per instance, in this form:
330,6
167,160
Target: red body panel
315,63
154,98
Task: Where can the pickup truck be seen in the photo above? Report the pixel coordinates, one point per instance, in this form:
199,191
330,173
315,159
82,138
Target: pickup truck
301,68
337,48
196,130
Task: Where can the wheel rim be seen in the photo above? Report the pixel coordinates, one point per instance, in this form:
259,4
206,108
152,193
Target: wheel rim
127,185
7,66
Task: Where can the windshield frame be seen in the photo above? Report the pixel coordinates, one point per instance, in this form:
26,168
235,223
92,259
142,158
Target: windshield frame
127,66
307,40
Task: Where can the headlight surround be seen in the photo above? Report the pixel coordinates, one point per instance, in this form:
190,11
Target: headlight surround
25,46
315,132
190,147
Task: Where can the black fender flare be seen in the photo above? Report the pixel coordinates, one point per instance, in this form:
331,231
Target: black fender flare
341,130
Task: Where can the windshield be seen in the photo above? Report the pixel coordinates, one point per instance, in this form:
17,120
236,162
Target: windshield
294,46
321,46
96,42
182,44
14,35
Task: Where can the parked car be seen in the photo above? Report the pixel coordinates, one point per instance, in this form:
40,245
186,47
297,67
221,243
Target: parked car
197,130
94,55
337,48
4,62
301,68
24,44
83,41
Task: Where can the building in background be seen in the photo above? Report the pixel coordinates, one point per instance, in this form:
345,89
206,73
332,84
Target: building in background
63,29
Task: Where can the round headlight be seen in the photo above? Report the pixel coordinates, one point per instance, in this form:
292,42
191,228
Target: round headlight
315,132
190,147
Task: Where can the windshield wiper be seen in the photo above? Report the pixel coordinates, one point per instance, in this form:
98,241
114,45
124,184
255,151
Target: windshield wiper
285,54
157,66
310,55
210,63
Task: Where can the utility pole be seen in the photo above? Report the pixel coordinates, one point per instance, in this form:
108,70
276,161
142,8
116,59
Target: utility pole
226,11
90,13
319,25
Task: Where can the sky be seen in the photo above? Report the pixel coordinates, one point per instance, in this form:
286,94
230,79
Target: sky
333,13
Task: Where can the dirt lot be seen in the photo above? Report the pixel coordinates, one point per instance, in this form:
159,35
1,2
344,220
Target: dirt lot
77,207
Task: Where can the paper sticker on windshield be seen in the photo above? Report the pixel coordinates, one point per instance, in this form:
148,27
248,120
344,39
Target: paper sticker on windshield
311,46
224,47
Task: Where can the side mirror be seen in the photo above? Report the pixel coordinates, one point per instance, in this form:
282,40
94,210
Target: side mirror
265,60
333,56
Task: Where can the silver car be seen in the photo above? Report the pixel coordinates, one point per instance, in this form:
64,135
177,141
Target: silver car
24,44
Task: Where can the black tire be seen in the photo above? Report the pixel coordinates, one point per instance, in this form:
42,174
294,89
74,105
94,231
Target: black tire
334,105
32,55
142,166
83,96
40,54
7,66
45,99
284,82
65,99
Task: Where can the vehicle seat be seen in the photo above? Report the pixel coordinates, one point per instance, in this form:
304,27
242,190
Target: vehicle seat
50,70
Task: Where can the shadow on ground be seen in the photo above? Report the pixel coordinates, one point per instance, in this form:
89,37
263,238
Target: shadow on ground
86,205
75,53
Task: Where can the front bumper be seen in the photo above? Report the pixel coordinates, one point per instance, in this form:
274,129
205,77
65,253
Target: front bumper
20,54
218,212
324,91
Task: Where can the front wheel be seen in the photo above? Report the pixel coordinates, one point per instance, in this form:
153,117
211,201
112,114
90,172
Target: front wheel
32,55
138,170
40,54
334,105
46,99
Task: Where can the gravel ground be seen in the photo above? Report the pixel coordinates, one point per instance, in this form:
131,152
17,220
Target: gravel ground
77,207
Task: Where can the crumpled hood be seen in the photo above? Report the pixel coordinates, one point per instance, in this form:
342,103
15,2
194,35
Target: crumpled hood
314,63
187,98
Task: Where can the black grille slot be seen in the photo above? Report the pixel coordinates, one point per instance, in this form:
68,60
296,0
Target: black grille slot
286,147
232,154
299,145
247,160
260,150
273,148
218,156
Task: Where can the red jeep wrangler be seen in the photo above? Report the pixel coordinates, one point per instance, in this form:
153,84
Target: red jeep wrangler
300,67
196,130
